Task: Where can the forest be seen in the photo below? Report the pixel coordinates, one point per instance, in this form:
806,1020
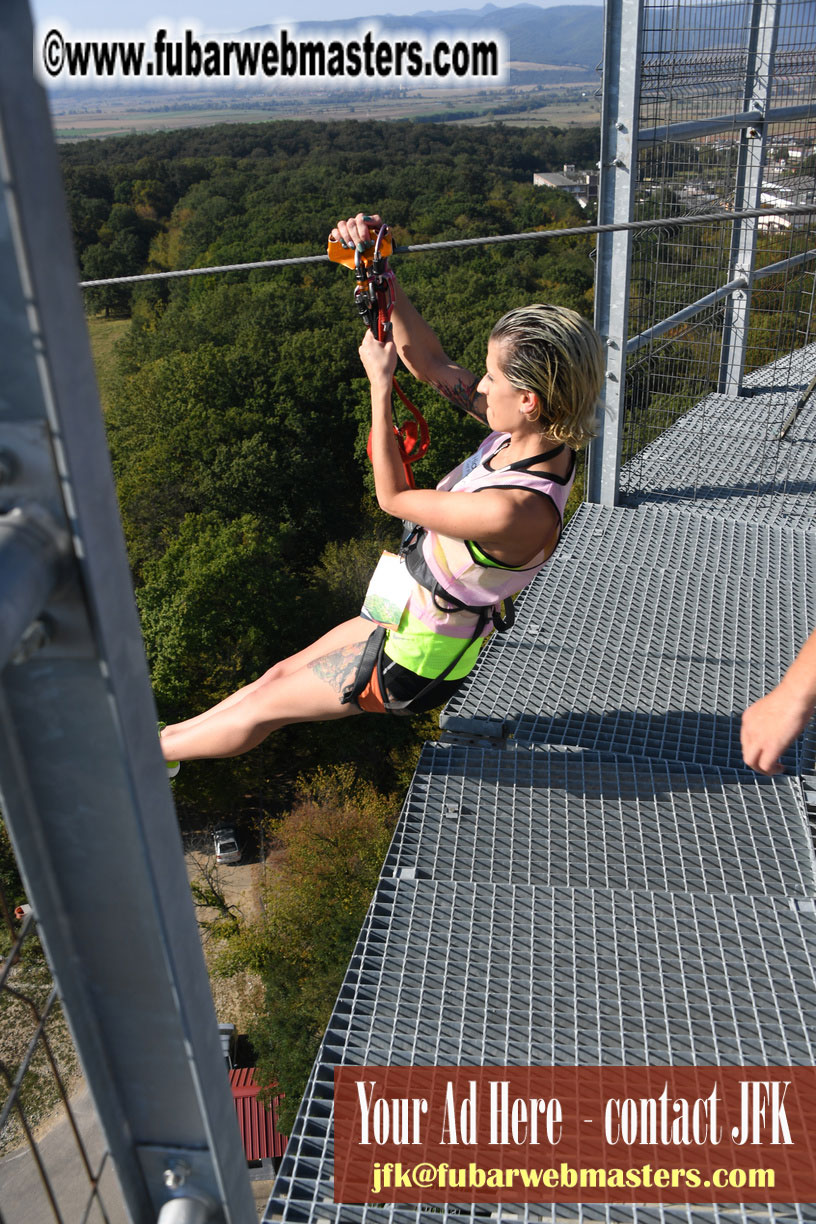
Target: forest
237,416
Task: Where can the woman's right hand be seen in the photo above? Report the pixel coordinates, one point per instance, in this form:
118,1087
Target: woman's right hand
356,232
379,359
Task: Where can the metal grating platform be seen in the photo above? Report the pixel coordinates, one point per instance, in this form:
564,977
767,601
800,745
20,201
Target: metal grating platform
305,1209
450,973
767,481
724,458
609,885
582,819
638,661
673,539
453,973
787,376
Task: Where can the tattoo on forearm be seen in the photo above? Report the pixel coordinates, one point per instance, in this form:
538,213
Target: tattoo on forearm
340,667
463,396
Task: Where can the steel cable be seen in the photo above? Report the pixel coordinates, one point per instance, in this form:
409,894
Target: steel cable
572,232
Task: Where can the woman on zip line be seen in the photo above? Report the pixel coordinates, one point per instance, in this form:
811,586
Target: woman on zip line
486,530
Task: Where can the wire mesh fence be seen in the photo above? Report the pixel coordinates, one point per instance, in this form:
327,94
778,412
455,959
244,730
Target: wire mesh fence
54,1165
709,67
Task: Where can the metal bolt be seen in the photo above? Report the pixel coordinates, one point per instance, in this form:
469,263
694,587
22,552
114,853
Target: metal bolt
176,1174
620,126
37,635
8,467
620,163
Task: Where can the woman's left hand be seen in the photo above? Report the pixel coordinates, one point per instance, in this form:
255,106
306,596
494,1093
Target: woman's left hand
380,360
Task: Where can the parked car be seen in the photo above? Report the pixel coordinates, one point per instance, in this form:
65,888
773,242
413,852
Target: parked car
226,845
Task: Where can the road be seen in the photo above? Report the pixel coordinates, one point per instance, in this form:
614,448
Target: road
23,1200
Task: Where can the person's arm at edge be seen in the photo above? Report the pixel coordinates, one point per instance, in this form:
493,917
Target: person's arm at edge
770,725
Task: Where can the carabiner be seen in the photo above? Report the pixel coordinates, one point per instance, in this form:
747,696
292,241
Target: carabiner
374,293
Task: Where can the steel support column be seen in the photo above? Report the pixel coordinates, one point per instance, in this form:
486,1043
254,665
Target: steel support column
84,789
32,550
750,166
618,166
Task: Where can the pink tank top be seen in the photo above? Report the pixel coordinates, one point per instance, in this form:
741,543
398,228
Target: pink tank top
455,564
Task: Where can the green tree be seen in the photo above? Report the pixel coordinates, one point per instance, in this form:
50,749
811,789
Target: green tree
330,849
211,604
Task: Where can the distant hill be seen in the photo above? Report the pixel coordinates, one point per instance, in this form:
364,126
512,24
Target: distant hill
564,34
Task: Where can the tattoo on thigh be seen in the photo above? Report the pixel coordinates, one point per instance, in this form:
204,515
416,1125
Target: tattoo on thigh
340,667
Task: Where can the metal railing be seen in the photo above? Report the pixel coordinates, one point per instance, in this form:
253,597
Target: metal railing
713,108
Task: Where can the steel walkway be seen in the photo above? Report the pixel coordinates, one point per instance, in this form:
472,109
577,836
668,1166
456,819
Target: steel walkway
584,871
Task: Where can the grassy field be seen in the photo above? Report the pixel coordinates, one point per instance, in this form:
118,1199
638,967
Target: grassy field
562,102
104,333
580,112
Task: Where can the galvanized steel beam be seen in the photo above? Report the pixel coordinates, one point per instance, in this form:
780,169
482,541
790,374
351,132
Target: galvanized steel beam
618,166
711,299
84,788
681,316
723,123
750,166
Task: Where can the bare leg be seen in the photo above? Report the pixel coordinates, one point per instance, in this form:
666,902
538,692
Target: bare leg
355,630
289,693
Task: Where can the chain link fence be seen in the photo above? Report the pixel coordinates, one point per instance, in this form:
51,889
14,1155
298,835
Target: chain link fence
706,69
54,1164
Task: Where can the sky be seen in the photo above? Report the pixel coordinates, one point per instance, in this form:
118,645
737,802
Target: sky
228,16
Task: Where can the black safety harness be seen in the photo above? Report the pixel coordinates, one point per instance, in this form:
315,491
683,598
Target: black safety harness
372,657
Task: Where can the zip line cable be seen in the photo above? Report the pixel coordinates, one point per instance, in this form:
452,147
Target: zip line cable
574,232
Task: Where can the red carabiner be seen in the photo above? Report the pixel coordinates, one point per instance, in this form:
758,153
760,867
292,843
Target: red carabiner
374,298
412,436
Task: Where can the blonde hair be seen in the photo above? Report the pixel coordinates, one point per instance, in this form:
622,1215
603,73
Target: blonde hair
554,352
